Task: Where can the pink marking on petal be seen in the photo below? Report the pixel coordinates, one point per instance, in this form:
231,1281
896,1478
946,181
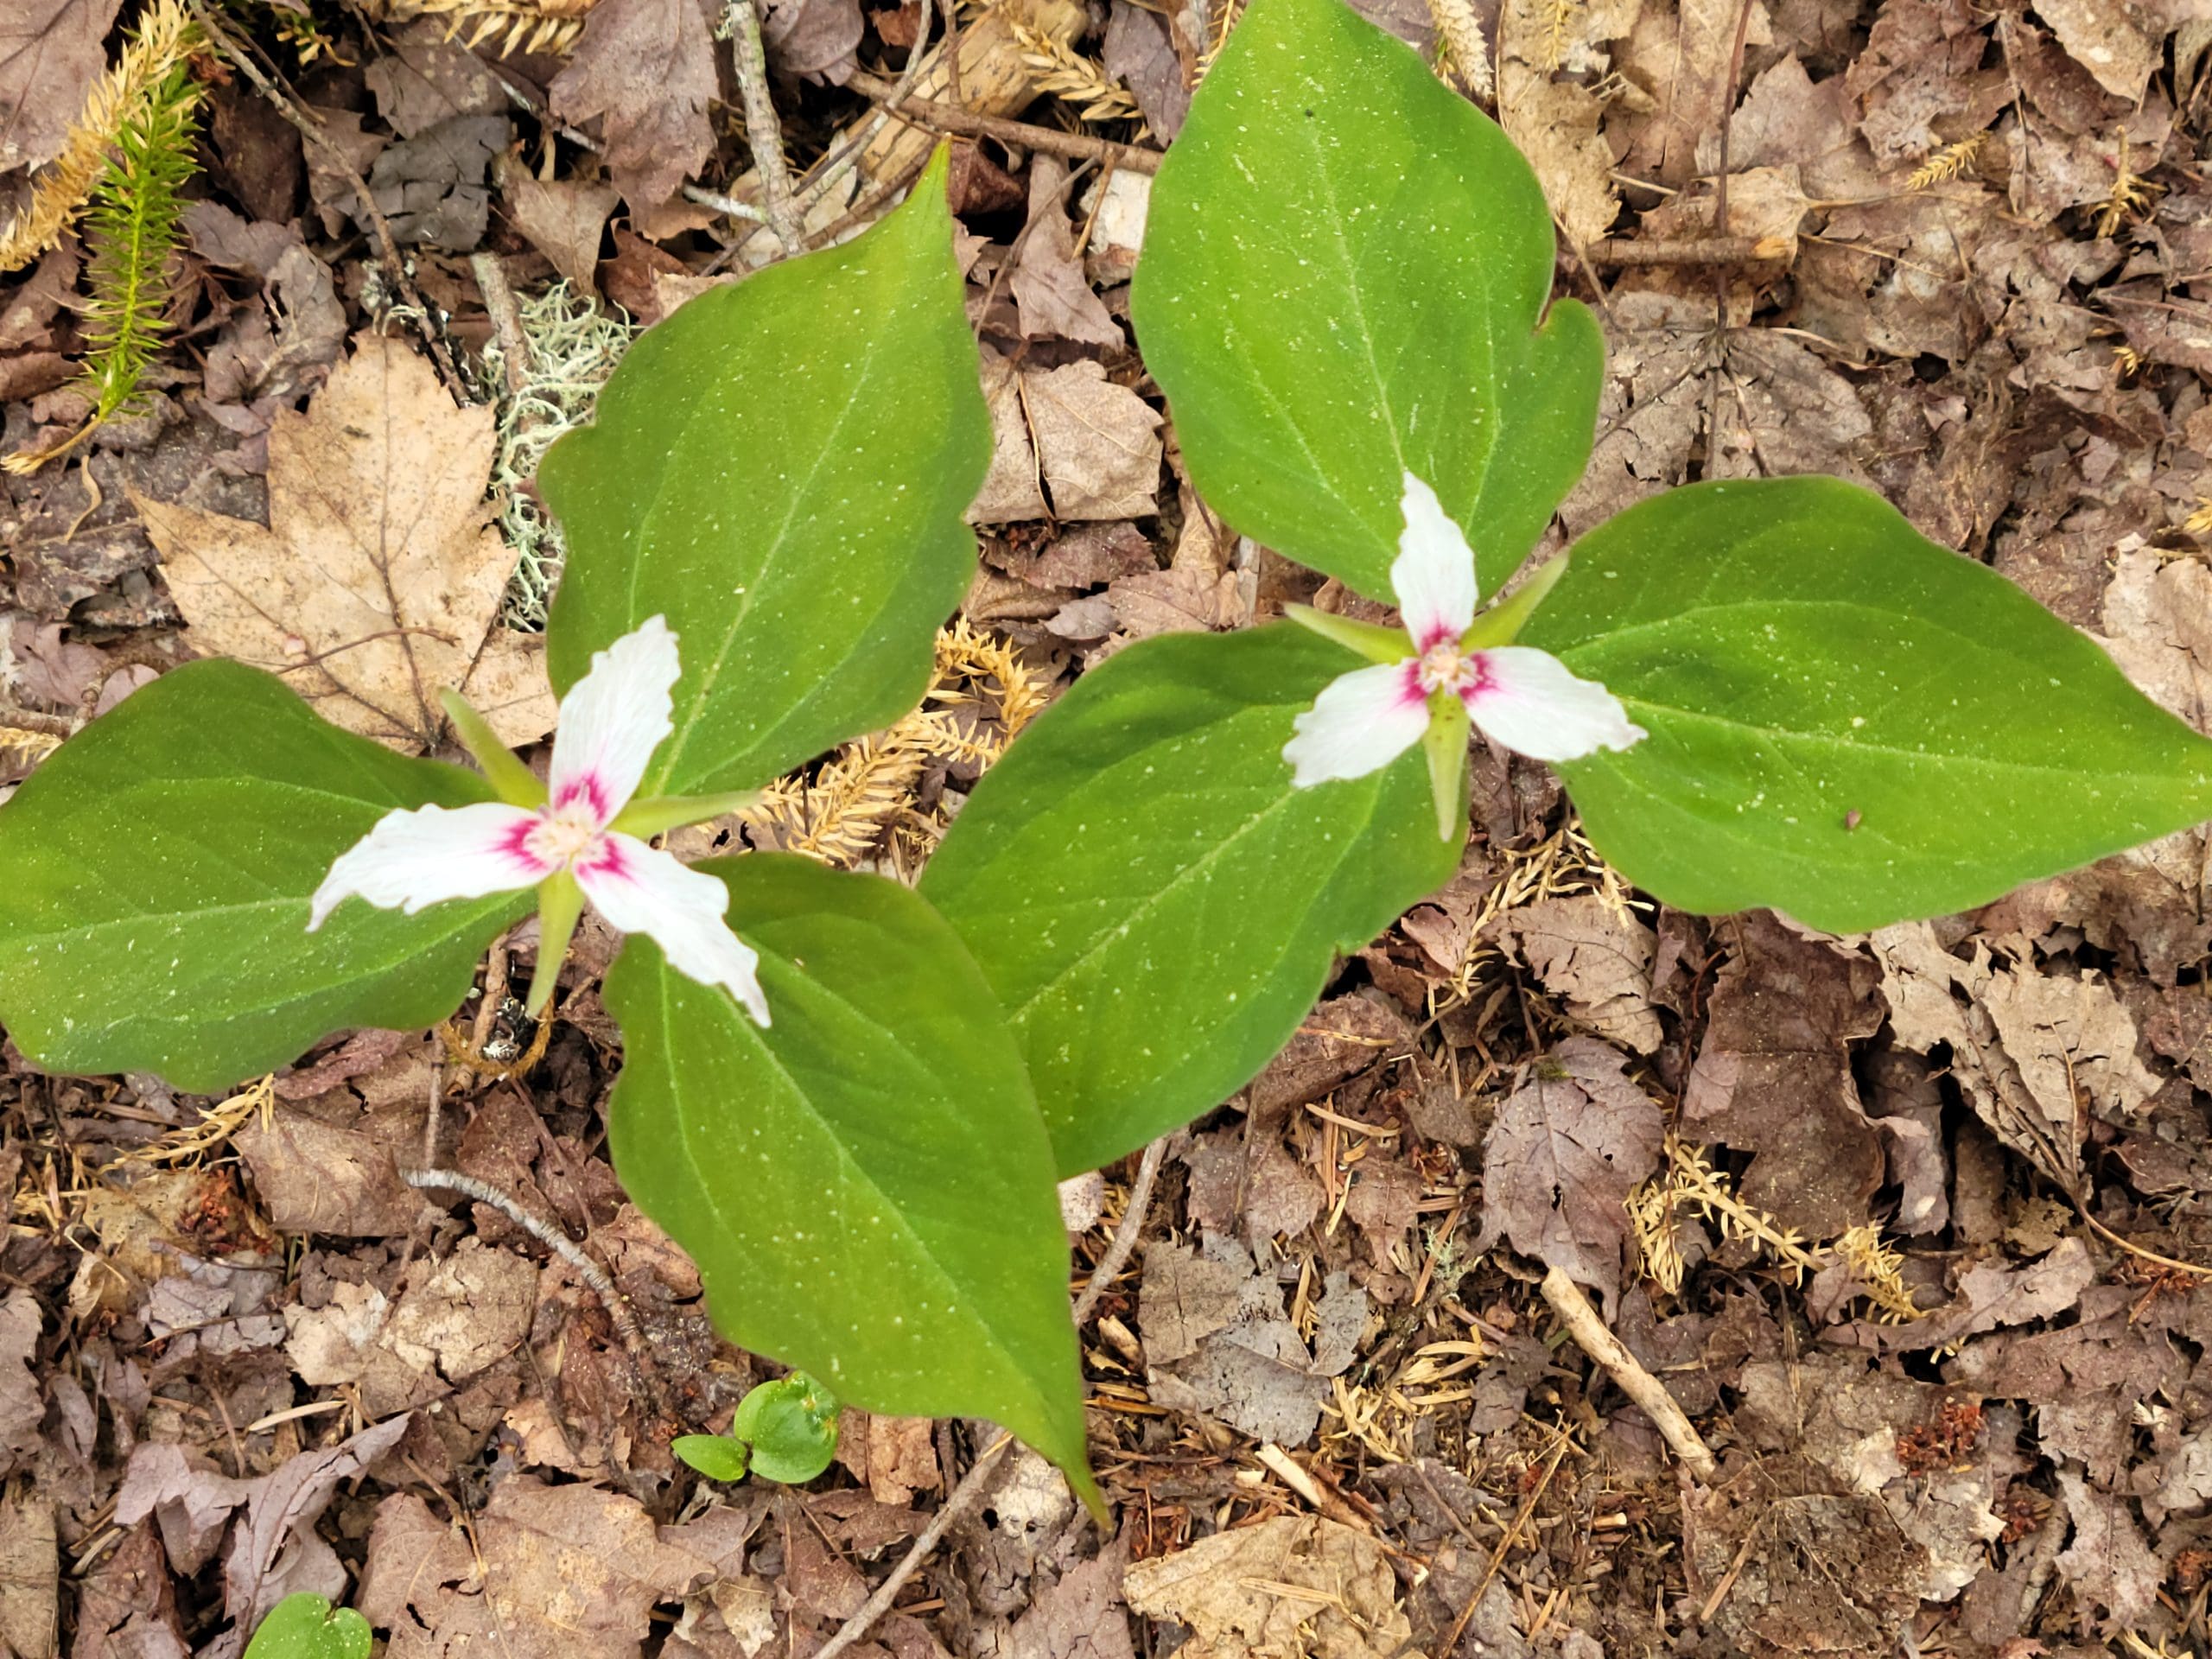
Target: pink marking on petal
605,857
1480,679
1411,693
586,787
514,845
1435,634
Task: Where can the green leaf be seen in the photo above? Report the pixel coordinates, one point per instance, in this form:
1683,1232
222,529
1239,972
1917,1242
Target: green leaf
716,1456
792,1425
781,469
155,910
1156,906
306,1626
1345,265
865,1185
1848,722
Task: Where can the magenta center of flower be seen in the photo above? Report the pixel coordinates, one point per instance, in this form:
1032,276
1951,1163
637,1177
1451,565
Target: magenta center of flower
563,833
1444,667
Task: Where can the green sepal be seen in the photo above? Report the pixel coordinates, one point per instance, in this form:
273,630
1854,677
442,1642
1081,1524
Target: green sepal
1371,639
1501,624
661,813
1444,746
560,908
512,781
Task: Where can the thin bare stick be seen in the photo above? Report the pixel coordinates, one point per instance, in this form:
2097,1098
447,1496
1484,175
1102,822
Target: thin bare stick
1591,1335
742,24
1117,1254
1707,250
380,228
1124,1242
931,115
514,368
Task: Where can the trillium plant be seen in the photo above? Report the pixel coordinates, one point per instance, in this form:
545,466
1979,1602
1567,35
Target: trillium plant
851,1100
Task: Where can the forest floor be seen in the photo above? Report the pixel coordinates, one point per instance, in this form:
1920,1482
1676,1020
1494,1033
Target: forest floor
1916,1228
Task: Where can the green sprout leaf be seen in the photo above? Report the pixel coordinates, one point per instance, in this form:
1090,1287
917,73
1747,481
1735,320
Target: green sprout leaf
1848,722
1345,268
865,1184
306,1626
159,868
734,482
1155,904
717,1457
791,1424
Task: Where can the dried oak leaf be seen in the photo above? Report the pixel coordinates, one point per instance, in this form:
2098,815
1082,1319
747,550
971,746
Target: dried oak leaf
1296,1584
30,1583
1595,955
1680,57
1566,1150
566,1570
2109,1563
21,1408
1094,445
2102,37
648,68
563,219
316,1177
379,580
1773,1075
126,1604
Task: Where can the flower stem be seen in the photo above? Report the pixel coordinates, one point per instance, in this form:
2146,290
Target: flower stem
560,906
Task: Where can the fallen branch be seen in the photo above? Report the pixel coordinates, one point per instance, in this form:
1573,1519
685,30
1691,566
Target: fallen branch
934,117
1592,1336
763,133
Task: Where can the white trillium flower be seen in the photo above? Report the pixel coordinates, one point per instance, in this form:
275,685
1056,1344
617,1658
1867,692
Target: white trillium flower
1444,668
578,836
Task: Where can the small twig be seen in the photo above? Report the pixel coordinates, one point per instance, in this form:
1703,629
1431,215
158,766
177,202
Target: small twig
618,1309
1591,1335
1118,1250
1124,1242
514,346
387,249
742,24
931,115
1707,250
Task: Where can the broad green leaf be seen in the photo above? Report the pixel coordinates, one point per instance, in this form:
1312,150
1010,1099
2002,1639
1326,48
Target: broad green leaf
1345,267
717,1457
865,1184
1156,906
157,870
781,469
792,1425
306,1626
1848,722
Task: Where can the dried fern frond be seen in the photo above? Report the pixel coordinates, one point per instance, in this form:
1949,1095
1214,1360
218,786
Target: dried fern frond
164,36
1066,74
133,230
867,789
515,25
1462,52
1947,162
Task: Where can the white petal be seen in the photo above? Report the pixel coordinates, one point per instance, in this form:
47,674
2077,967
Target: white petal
1360,723
641,890
1433,575
425,857
1528,701
613,719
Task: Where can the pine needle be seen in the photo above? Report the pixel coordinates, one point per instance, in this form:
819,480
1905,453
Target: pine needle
160,42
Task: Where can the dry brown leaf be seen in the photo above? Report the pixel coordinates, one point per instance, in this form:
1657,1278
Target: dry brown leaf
2100,36
50,52
30,1585
571,1571
2073,1042
1554,123
1098,443
1596,956
563,219
21,1408
315,1177
2109,1563
380,580
1566,1149
473,1311
1298,1585
647,67
893,1457
1680,57
1050,293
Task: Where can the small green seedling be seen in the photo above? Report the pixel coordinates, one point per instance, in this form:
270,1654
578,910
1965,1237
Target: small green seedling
786,1431
308,1627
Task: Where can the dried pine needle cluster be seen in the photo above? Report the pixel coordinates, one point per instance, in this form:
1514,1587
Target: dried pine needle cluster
511,25
1063,73
1948,162
1687,1182
1462,53
980,694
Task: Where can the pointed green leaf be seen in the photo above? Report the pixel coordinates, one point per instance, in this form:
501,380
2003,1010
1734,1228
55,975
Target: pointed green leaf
1345,267
306,1626
1156,906
154,911
717,1457
781,469
1848,722
865,1185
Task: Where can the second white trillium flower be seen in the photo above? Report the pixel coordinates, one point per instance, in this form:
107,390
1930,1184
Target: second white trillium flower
581,839
1443,671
